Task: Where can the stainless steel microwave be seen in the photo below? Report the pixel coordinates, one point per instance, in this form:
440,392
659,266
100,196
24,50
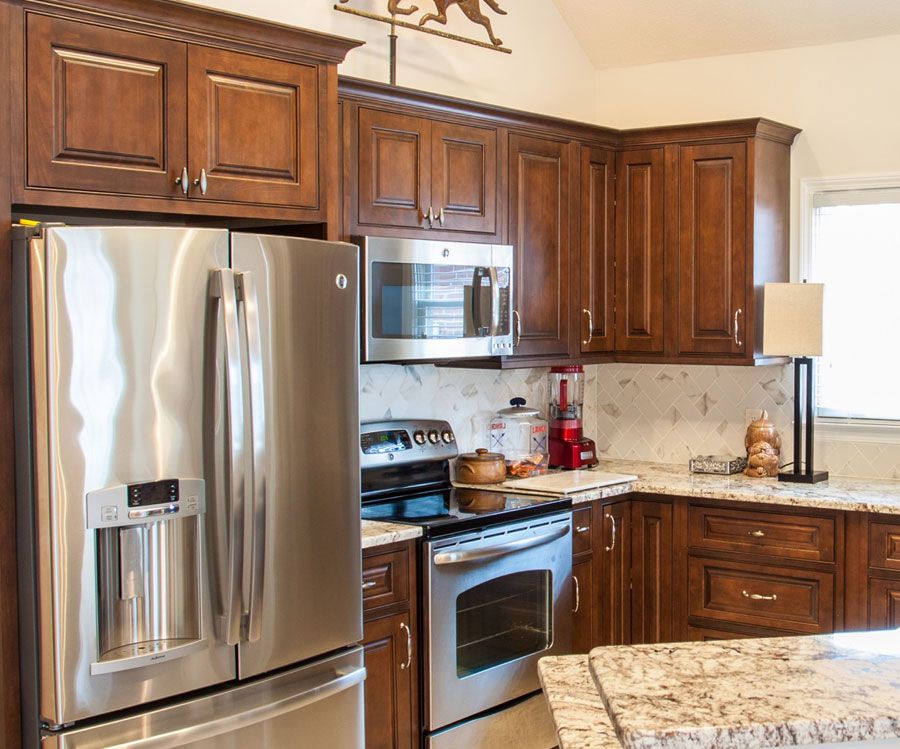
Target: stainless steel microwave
425,300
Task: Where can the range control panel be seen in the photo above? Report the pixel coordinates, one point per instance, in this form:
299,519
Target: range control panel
395,441
132,504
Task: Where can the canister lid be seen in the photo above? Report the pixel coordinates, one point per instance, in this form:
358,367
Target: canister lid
518,408
481,455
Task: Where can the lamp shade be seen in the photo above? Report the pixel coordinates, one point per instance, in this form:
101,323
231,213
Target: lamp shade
792,319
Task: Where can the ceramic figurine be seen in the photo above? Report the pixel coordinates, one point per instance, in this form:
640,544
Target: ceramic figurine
763,444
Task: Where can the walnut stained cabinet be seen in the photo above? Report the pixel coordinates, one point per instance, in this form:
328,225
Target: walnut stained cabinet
418,173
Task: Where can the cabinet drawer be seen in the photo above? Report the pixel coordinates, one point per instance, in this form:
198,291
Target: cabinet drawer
787,536
385,579
884,545
794,600
581,530
707,634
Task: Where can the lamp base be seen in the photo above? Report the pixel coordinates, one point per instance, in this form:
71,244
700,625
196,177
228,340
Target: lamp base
804,478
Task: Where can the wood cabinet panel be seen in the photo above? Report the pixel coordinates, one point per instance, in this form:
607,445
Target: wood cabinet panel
884,603
464,177
390,683
884,545
598,257
253,128
708,634
581,530
756,531
640,251
614,562
651,563
797,600
539,229
712,262
385,579
583,610
105,109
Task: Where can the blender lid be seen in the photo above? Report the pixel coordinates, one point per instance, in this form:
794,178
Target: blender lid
518,408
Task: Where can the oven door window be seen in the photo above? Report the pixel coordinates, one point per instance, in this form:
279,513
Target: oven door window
432,302
502,620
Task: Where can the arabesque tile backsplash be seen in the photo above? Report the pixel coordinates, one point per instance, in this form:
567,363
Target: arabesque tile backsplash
664,413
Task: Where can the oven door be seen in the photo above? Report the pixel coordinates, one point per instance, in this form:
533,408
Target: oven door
495,602
435,300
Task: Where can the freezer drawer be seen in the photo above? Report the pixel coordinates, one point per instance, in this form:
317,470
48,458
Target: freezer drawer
319,705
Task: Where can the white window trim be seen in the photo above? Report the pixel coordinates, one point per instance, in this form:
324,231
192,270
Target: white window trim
837,429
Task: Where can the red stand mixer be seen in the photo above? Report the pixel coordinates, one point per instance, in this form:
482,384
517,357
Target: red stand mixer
569,448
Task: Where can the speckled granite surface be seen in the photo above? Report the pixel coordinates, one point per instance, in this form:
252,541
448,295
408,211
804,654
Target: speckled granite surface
375,533
580,717
783,691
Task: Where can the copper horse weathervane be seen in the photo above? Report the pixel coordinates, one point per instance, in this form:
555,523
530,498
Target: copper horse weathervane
470,8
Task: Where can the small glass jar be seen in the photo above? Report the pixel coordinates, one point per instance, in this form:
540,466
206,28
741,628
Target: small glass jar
520,433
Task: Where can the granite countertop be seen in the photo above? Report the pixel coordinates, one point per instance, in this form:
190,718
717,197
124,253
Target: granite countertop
782,691
376,533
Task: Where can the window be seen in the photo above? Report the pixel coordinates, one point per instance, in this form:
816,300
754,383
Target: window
853,247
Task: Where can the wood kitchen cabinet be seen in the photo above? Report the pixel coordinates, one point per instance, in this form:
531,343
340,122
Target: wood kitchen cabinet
390,641
614,573
412,172
539,231
584,611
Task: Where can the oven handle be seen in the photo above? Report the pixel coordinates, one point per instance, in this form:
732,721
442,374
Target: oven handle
500,550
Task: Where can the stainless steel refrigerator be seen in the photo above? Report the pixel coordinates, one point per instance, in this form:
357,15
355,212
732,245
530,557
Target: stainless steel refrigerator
188,487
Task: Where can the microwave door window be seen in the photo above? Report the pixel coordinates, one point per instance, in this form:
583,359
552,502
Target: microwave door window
425,301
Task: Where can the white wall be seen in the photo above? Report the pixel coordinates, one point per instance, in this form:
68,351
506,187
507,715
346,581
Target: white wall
547,72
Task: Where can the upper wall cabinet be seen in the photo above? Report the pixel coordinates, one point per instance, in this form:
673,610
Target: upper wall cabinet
142,114
416,173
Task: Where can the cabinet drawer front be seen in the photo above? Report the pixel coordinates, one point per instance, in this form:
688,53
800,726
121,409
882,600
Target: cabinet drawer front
786,536
707,634
794,600
385,579
581,536
884,603
884,545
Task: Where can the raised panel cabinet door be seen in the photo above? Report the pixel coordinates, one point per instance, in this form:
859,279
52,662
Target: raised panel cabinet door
253,129
394,179
539,229
652,560
614,562
712,242
389,684
583,610
464,177
640,251
105,109
884,603
598,259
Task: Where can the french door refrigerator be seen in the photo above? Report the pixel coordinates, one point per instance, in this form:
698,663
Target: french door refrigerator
188,481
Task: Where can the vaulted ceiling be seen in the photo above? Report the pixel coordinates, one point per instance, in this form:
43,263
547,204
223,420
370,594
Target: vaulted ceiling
618,33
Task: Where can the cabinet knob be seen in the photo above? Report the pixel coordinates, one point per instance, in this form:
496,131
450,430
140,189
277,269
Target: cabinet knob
201,182
757,534
183,181
368,585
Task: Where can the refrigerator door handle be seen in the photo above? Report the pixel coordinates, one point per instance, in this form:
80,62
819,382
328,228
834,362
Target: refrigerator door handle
256,386
323,689
222,287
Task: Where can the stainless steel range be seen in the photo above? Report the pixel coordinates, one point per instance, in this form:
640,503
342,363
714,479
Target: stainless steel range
496,572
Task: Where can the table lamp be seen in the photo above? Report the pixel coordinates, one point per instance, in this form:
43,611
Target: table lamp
792,326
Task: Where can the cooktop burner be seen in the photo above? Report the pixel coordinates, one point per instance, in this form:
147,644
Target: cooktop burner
453,510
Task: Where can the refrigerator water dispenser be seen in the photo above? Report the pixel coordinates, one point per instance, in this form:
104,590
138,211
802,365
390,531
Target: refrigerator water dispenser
148,540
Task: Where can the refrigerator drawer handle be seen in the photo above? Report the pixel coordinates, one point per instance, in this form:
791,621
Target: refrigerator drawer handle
249,308
328,687
492,552
222,287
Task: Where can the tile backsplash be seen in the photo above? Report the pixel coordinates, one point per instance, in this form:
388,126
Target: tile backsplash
664,413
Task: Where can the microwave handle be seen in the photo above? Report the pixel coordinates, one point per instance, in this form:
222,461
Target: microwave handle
495,301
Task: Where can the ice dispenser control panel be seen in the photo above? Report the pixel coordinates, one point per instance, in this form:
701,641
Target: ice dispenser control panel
132,504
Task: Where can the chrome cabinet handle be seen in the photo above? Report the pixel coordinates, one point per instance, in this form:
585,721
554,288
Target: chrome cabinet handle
404,666
613,543
248,306
577,595
201,182
517,337
430,217
758,597
184,181
583,528
737,339
369,585
440,216
757,534
590,321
